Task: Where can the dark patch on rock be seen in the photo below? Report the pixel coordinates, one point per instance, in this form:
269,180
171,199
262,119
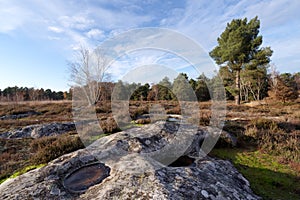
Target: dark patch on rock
84,177
171,127
183,161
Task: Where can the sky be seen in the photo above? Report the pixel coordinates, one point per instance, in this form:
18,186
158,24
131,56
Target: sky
39,38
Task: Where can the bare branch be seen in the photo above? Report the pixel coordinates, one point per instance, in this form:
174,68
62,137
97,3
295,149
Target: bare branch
88,71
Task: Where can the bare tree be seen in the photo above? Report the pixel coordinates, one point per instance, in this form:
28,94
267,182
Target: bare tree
88,72
273,74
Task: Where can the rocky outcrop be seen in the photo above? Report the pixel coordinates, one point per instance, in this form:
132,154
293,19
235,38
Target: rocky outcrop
19,115
37,131
125,165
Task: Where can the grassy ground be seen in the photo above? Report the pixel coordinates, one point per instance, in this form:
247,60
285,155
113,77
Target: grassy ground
268,177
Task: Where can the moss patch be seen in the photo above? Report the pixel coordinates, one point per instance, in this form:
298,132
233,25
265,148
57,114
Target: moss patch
23,171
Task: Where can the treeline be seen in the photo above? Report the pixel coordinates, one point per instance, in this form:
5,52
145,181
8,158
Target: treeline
31,94
256,85
181,88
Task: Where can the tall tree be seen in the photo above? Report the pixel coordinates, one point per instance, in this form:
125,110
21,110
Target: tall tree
201,89
121,92
286,87
141,92
297,80
182,89
164,89
238,46
153,93
88,72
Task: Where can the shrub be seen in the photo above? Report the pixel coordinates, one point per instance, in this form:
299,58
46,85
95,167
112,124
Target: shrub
138,111
261,123
109,125
271,138
49,148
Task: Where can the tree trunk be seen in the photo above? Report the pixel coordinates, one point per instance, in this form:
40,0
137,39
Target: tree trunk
237,97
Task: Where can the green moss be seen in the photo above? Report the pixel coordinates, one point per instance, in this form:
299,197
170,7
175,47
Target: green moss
268,178
23,171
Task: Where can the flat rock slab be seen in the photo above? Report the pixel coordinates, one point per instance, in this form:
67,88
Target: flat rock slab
194,177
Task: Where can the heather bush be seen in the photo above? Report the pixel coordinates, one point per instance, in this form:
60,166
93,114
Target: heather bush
271,138
49,148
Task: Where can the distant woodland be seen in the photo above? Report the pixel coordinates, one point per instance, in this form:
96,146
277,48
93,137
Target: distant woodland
255,85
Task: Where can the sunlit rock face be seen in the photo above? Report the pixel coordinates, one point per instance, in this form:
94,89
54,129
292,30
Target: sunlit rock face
124,166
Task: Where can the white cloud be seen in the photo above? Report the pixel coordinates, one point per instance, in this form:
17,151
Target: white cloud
274,13
55,29
12,16
95,34
280,25
79,22
85,23
53,38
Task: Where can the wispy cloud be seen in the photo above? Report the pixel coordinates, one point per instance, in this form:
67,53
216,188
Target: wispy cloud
55,29
280,26
77,22
12,16
95,34
68,25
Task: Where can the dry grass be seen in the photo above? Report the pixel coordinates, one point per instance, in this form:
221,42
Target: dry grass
13,156
48,148
272,127
16,154
44,112
278,140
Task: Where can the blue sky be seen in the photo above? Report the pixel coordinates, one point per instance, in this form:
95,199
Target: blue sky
38,38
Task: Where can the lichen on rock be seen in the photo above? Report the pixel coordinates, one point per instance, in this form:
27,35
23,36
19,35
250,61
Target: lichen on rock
134,171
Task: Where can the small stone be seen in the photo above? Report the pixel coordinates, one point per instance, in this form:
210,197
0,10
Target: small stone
204,193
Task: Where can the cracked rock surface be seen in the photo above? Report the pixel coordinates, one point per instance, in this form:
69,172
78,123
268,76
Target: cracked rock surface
134,171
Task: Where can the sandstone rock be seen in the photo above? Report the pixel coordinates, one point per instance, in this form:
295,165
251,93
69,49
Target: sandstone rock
37,131
134,171
19,116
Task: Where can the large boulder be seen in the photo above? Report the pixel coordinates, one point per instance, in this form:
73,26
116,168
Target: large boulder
125,165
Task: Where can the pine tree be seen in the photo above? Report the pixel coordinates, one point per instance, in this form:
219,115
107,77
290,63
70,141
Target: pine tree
238,46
